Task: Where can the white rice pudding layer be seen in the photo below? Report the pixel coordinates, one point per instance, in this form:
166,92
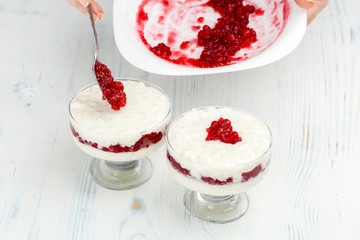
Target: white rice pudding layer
215,159
147,110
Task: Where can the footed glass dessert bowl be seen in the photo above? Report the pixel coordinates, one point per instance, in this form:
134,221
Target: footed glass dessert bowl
218,153
120,141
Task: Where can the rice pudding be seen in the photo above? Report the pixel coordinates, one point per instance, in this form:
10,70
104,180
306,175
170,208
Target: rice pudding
133,132
216,167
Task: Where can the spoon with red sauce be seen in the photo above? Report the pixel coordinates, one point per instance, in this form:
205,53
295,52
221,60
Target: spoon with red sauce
113,91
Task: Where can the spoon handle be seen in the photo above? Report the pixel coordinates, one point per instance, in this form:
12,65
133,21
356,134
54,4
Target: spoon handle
94,30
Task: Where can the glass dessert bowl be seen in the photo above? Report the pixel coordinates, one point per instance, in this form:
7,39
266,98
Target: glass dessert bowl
218,153
119,141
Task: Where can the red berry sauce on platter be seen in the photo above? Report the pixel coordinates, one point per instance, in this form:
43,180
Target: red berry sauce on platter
213,33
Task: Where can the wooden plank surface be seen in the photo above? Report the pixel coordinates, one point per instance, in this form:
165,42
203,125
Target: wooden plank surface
310,99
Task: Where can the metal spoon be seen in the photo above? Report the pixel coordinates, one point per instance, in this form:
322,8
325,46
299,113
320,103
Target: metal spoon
95,35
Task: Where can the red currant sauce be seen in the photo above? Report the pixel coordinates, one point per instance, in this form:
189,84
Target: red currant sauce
177,165
222,130
212,181
113,91
220,43
144,142
245,176
253,173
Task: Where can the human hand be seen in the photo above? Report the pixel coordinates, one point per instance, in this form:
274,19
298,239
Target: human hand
81,5
313,7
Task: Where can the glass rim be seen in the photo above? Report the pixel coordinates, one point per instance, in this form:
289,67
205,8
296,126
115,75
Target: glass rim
268,149
168,114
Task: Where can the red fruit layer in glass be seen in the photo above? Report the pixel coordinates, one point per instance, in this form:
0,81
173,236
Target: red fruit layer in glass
253,173
177,165
212,181
113,91
144,142
221,43
245,176
222,130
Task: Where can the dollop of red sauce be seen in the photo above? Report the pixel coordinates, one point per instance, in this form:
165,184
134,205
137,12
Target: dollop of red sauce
113,91
230,34
223,131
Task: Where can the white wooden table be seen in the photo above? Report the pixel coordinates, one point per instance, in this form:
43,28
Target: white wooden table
310,99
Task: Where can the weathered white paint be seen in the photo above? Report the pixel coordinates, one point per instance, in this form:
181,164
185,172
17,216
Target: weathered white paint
310,99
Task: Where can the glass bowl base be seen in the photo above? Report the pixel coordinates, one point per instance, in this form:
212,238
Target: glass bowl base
120,175
217,209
